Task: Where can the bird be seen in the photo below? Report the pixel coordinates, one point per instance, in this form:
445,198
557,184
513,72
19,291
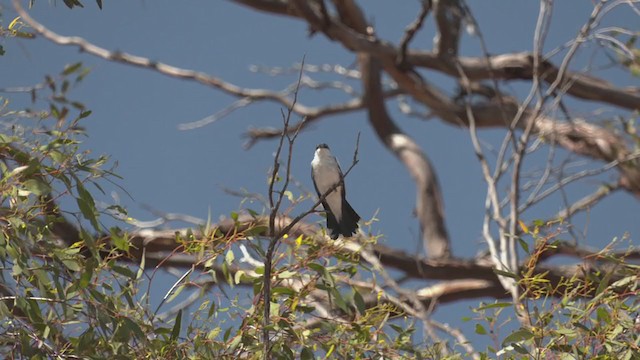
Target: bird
326,173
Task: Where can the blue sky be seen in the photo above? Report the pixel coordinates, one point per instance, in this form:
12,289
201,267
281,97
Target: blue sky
136,112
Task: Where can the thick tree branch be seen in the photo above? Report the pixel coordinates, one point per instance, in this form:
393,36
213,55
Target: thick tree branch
429,207
448,15
505,66
411,265
578,136
520,66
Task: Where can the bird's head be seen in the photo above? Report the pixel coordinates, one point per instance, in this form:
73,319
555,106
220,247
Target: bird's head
322,151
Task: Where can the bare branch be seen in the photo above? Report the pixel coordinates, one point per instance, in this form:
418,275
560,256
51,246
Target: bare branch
520,66
311,116
448,15
413,29
274,208
429,204
505,66
588,201
458,335
494,112
165,242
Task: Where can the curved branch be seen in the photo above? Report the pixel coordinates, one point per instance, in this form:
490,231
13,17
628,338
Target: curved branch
473,277
311,116
578,136
520,66
448,15
505,66
246,94
429,206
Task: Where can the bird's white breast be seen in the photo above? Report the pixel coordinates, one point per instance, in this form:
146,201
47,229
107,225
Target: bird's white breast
326,173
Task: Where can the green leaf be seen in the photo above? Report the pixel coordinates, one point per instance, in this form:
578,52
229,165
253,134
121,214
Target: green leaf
505,273
87,274
71,264
212,309
84,114
566,331
175,333
238,276
141,268
69,69
257,230
520,349
234,342
120,242
603,315
286,274
87,205
37,187
493,306
65,86
480,330
229,257
13,23
538,223
213,334
517,336
306,354
6,139
282,290
57,156
226,335
54,111
339,300
71,3
253,213
359,302
604,283
625,282
524,245
125,271
132,327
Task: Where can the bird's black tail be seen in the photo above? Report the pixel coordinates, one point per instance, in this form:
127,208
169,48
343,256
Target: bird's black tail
348,224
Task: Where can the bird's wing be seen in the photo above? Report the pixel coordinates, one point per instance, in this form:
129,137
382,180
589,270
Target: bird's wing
313,177
342,187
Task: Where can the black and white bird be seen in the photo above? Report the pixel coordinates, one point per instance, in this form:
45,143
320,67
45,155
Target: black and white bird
325,172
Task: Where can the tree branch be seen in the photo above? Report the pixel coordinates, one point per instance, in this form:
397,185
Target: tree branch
429,205
462,279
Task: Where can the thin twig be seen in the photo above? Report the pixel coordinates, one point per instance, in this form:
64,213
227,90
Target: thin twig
274,207
412,30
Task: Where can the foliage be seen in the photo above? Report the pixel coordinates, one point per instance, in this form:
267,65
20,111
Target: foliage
61,292
85,299
81,298
591,318
75,287
13,30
